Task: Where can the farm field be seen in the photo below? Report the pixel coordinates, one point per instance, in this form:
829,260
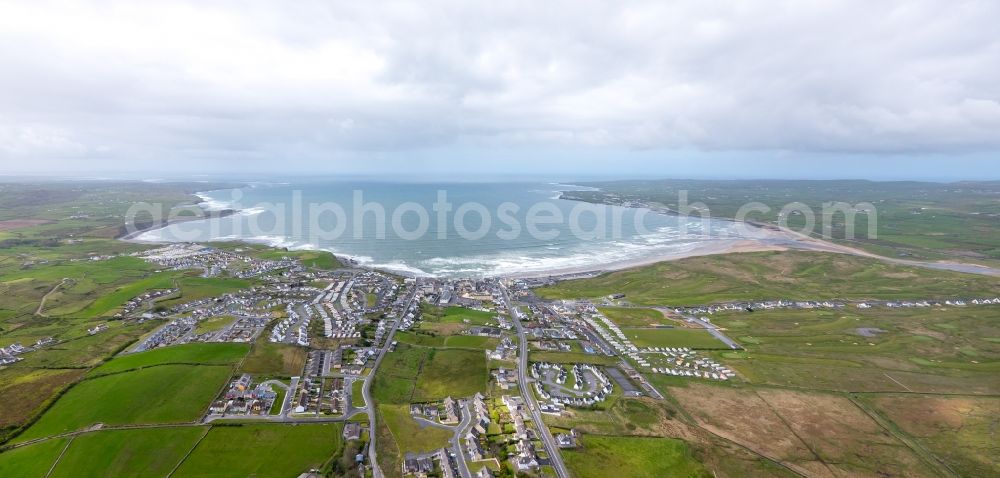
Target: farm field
471,342
814,433
32,461
196,353
792,275
602,456
162,394
194,287
456,315
570,357
262,451
213,324
671,337
314,259
127,453
634,316
85,350
273,359
451,372
958,430
26,391
410,435
936,351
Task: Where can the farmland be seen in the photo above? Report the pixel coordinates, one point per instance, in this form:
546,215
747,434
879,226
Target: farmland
602,456
123,453
669,337
262,451
33,460
198,353
791,275
634,316
162,394
273,359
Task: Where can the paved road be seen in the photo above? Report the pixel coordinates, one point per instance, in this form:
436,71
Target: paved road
555,458
715,331
366,390
456,441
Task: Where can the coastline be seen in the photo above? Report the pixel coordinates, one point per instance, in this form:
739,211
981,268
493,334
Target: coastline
766,237
707,249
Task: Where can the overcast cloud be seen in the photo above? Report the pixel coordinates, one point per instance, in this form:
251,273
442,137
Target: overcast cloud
258,84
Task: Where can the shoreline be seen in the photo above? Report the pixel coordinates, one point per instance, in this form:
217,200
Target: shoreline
766,237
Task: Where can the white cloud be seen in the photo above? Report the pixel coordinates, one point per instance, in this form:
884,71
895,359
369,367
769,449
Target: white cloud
315,79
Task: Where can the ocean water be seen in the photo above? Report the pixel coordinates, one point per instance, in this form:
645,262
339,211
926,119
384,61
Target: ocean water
305,215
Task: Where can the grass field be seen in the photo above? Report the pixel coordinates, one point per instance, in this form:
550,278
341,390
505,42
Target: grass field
960,431
471,342
409,435
196,353
396,377
693,338
87,350
936,351
357,398
32,461
194,287
456,315
634,316
773,275
25,392
262,451
163,394
313,259
267,358
127,453
570,357
421,339
454,372
602,456
817,434
213,324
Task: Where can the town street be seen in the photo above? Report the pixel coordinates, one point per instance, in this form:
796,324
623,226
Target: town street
551,449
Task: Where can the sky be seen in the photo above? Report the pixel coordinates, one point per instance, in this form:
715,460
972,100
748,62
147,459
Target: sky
822,89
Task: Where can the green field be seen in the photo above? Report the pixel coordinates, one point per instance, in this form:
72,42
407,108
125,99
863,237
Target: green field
262,451
692,338
471,342
272,359
409,435
213,324
959,430
128,453
196,353
163,394
87,350
195,288
570,357
314,259
456,315
32,461
933,351
451,372
792,275
603,456
357,398
634,316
